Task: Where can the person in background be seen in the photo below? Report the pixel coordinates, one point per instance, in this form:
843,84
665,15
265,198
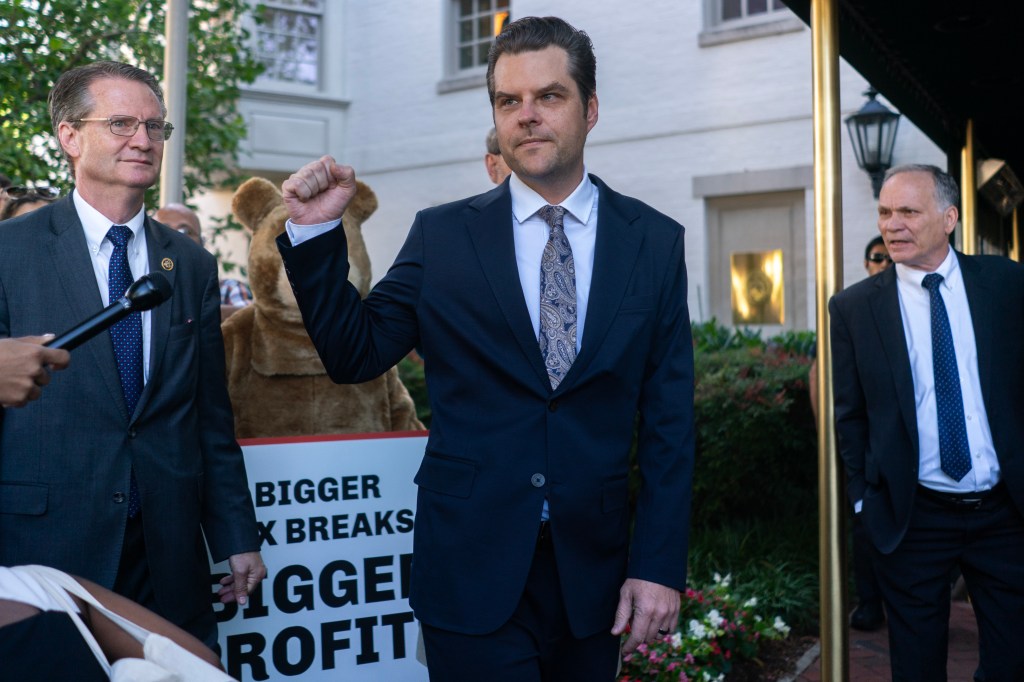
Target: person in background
22,200
552,315
928,384
5,182
126,469
497,169
234,294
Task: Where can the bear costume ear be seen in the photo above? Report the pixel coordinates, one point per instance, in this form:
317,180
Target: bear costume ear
363,204
254,200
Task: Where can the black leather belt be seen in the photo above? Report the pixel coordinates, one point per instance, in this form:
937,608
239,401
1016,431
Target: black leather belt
964,501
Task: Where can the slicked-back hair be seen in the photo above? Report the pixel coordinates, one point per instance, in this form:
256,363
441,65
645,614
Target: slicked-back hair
531,34
70,98
947,192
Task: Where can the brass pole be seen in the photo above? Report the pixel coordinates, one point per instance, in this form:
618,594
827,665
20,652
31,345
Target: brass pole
968,193
1015,236
828,243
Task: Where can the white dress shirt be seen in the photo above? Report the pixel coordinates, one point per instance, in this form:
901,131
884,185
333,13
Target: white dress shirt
915,307
100,249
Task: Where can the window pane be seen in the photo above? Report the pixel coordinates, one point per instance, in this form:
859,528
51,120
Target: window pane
485,6
484,26
465,31
466,58
465,8
731,9
481,50
503,4
757,7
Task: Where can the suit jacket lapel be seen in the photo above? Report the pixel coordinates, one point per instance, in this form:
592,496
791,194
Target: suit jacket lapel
491,232
74,270
615,254
885,304
982,301
163,258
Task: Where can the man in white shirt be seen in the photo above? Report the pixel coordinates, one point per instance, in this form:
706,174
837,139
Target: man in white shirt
929,389
128,460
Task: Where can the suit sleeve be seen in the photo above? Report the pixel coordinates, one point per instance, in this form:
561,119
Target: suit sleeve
228,517
357,339
849,403
665,439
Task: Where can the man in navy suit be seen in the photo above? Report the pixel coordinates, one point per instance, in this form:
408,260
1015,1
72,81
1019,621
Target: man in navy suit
523,565
119,486
929,393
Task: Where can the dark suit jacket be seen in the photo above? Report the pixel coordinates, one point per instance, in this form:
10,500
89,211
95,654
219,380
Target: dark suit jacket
65,458
873,388
501,440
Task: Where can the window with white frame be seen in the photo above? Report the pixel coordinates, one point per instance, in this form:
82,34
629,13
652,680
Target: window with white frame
737,12
476,24
289,41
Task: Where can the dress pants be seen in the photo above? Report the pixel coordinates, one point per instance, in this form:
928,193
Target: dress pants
134,582
986,541
535,645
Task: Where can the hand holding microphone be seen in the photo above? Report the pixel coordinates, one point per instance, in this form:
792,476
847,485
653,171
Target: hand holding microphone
145,293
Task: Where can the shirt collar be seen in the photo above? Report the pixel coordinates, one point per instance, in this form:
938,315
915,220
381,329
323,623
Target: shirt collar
526,202
96,225
949,269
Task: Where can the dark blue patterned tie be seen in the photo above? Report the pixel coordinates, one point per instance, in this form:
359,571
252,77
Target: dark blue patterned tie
127,337
954,451
557,299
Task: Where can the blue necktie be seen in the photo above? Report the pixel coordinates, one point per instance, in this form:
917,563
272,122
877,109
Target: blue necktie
127,337
557,299
954,451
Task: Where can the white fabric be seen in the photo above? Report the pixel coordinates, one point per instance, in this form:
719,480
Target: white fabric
21,586
96,226
915,307
165,661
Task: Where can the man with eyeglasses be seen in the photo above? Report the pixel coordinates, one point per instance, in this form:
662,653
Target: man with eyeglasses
128,459
21,200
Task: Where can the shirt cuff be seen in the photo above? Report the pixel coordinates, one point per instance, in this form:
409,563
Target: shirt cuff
857,506
302,233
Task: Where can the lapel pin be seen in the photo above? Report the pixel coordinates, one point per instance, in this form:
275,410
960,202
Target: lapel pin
167,264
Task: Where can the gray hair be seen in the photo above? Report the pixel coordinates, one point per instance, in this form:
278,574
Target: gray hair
947,192
492,142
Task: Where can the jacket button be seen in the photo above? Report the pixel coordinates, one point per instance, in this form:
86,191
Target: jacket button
537,480
119,498
131,433
553,406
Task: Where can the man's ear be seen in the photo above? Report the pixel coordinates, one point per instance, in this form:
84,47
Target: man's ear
950,217
68,136
591,112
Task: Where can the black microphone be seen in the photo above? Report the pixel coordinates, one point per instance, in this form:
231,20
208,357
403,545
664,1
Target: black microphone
145,293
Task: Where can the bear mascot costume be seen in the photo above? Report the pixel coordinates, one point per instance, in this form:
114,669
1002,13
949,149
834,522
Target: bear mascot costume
278,385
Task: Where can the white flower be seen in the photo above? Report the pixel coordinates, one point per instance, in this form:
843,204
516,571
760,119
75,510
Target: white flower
724,582
676,640
698,630
750,603
781,626
715,618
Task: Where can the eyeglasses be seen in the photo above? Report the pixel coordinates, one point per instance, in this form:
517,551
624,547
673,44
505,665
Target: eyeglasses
127,126
880,258
44,193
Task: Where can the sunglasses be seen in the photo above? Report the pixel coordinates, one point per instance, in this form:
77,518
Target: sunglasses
880,258
44,193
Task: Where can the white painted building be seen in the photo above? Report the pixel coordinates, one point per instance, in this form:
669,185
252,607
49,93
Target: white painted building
705,118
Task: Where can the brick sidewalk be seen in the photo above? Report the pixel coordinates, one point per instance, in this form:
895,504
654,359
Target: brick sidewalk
869,651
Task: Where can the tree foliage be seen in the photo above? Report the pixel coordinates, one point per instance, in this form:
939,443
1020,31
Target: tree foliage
41,39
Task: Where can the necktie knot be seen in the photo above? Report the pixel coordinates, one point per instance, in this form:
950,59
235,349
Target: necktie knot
552,215
119,235
932,281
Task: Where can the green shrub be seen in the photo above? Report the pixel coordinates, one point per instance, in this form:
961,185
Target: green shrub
756,443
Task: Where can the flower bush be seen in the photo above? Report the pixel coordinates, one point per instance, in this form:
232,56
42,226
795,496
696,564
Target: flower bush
715,630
